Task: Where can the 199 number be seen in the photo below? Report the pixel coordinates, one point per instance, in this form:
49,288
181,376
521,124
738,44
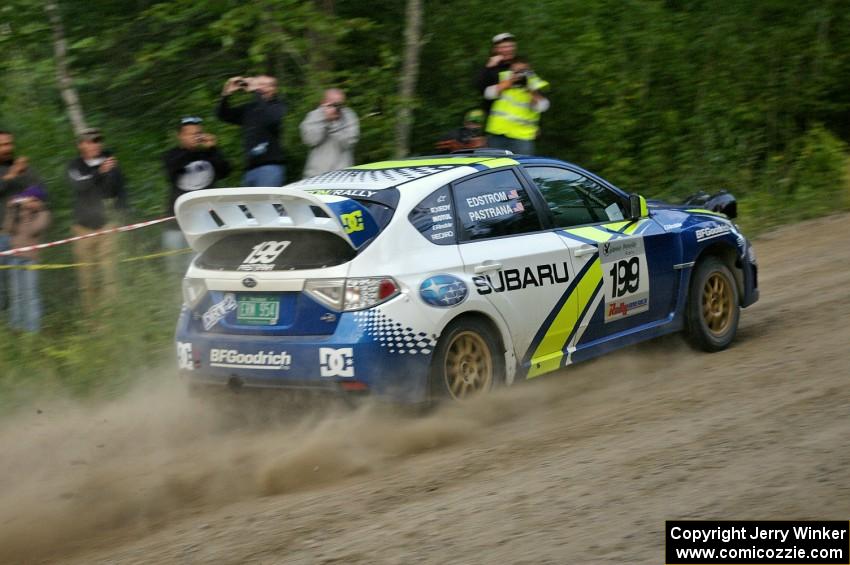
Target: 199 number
625,277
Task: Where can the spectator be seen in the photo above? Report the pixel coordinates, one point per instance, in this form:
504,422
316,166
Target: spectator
15,176
27,218
331,131
470,136
518,103
195,164
261,126
99,198
502,54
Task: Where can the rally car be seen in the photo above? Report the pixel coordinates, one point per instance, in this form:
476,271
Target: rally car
445,276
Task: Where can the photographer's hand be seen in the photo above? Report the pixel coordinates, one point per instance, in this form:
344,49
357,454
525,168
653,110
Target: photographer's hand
494,60
208,141
19,166
231,86
507,83
107,165
331,112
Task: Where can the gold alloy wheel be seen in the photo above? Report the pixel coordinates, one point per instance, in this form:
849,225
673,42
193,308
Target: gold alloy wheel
469,365
717,306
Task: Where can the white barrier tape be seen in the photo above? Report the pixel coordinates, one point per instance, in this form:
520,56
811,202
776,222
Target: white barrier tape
130,227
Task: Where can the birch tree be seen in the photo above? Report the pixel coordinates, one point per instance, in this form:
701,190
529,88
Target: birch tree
63,72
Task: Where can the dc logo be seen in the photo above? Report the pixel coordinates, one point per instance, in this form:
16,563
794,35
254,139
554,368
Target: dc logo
336,362
352,222
266,252
443,291
184,356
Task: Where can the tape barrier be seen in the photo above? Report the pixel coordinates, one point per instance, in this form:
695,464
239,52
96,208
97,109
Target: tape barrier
52,266
129,227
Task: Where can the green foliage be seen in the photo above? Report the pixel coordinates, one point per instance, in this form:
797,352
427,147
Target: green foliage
662,97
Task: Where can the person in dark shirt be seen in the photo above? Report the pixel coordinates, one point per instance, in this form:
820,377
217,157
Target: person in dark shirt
100,201
195,164
261,128
502,55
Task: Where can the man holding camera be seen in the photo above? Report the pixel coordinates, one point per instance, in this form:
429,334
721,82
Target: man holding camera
261,127
331,131
100,201
195,164
518,103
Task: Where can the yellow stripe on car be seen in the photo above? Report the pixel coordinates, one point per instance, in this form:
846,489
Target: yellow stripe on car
564,323
592,233
486,161
500,162
704,211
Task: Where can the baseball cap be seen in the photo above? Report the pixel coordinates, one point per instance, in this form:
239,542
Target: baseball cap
90,134
500,37
191,120
476,116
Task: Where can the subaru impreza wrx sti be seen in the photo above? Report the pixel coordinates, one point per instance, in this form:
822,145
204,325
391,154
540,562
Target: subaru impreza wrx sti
445,276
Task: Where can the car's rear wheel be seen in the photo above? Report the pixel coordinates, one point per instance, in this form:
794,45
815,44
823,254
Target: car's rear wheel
713,306
467,361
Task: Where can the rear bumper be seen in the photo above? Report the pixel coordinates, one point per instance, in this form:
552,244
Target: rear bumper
350,360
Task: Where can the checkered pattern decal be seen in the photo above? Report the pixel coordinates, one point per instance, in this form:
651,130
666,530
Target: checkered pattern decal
375,178
393,335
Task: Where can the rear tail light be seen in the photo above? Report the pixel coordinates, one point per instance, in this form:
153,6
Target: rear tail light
330,292
352,294
194,291
365,293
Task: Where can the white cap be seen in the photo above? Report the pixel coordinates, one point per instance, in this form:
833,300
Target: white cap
498,38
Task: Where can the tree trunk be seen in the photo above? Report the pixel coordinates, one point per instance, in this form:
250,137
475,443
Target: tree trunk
409,74
320,63
63,73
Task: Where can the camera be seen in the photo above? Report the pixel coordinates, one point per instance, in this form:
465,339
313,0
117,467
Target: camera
521,77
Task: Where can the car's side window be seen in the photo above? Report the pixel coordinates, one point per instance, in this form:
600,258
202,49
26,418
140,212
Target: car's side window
433,217
493,205
574,199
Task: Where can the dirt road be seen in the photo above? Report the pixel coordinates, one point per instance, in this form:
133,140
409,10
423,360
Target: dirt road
580,468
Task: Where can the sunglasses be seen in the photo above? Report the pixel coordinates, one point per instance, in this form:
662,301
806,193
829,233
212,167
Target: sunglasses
96,139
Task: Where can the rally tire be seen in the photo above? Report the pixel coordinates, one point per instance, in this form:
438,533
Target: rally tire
714,308
468,361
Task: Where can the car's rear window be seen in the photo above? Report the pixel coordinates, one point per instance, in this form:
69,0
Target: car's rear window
277,250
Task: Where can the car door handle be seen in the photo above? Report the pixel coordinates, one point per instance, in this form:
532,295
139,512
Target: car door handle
487,266
585,250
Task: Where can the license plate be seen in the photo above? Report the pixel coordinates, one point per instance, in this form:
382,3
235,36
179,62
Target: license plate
257,310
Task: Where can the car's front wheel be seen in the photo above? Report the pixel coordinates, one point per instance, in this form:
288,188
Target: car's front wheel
467,361
713,306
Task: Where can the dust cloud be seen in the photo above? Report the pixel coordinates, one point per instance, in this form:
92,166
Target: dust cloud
75,473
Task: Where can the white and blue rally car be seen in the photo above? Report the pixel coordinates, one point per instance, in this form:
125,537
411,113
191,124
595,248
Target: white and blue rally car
445,277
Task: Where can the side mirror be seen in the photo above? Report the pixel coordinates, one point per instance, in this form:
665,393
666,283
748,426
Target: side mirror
637,207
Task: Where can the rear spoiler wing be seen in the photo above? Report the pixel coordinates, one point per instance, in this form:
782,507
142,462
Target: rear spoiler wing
206,216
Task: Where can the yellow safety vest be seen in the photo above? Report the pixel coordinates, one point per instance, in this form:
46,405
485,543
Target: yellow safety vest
511,115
